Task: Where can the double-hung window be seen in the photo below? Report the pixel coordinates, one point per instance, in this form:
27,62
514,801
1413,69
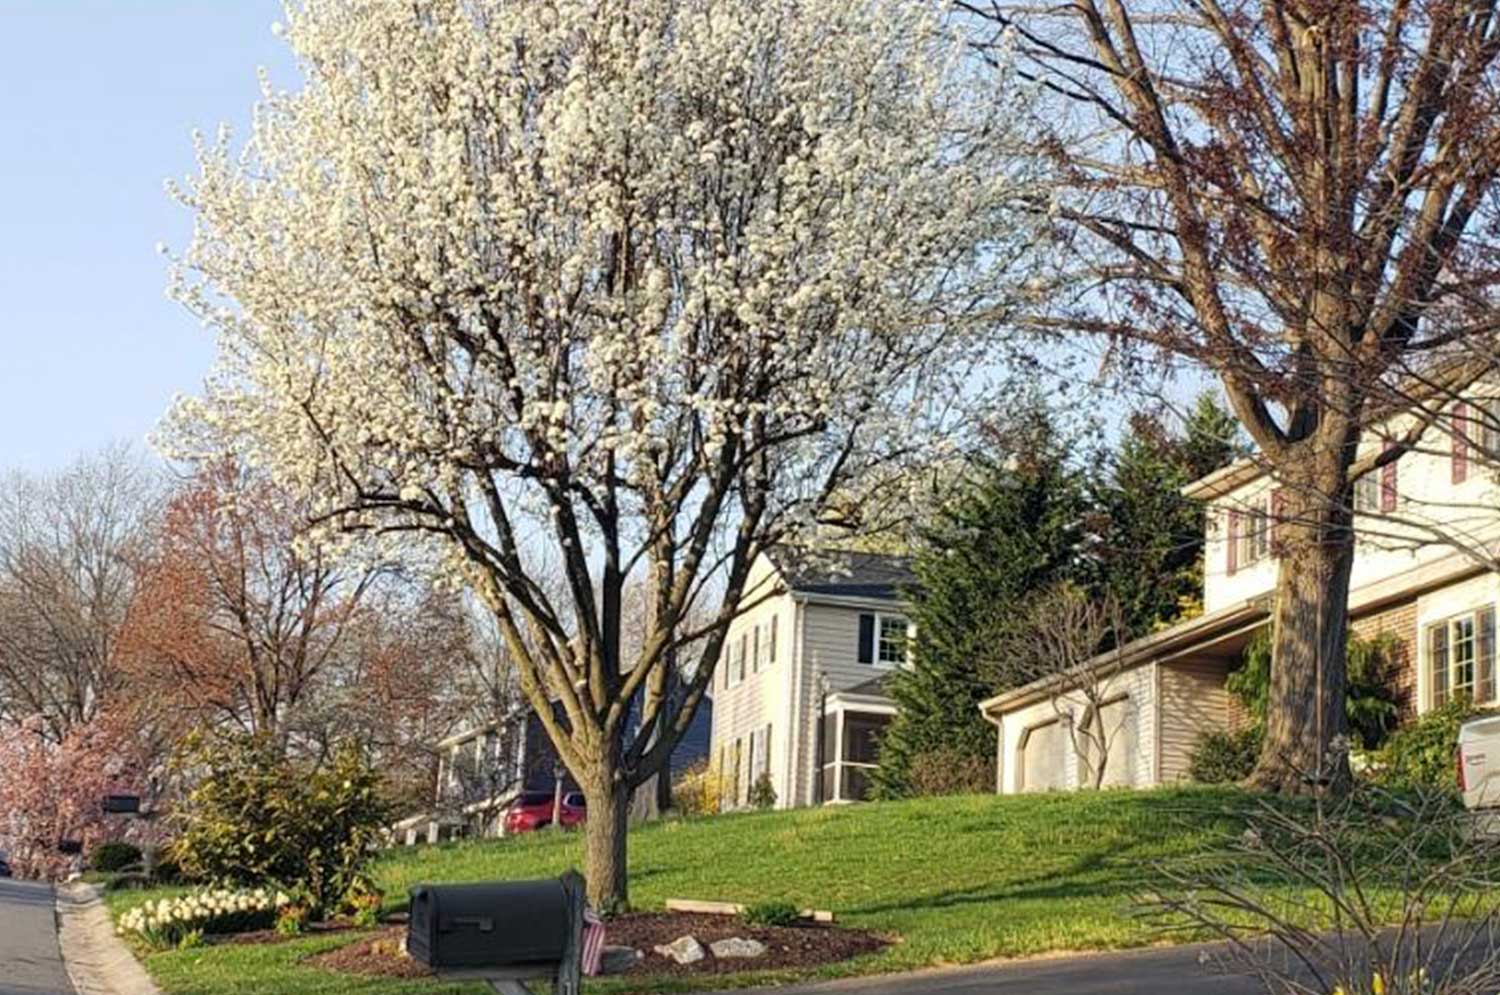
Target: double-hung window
892,643
1487,432
1253,532
1461,657
734,672
883,639
1367,494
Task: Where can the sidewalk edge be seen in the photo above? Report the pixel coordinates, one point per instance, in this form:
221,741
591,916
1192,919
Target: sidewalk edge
97,961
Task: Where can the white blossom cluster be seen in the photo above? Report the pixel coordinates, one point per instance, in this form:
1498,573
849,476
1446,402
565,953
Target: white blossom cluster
501,262
162,922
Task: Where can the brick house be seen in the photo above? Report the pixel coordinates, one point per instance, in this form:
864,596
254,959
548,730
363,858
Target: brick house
1418,521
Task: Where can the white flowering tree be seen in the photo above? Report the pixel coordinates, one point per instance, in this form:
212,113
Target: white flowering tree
613,292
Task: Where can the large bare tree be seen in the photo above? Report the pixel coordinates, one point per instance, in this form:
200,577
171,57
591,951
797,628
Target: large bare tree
1297,196
68,544
1070,644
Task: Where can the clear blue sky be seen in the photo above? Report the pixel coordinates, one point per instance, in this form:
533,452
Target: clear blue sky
97,100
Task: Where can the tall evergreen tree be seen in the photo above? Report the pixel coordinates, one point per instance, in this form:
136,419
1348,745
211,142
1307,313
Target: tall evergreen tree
1149,550
1016,528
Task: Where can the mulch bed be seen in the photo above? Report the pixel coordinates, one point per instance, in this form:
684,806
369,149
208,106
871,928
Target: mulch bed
786,947
378,956
263,936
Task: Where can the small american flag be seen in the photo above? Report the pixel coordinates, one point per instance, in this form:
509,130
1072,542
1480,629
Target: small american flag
593,943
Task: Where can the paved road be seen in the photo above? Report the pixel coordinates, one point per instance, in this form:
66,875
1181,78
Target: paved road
29,961
1174,971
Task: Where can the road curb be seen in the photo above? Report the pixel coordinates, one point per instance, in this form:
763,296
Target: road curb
97,961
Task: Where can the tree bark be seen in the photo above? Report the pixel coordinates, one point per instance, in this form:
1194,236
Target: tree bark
1305,719
605,836
1102,760
664,788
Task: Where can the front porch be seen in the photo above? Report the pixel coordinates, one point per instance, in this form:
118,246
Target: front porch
849,741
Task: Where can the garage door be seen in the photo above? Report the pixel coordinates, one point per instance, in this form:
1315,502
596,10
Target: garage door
1042,758
1121,735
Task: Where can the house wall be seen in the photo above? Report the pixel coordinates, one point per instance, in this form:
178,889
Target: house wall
1390,543
1192,703
815,638
744,707
829,647
1138,685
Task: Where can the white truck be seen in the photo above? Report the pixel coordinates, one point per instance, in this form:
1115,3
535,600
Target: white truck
1479,768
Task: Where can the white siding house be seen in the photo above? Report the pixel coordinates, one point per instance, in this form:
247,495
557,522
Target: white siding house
797,697
1419,520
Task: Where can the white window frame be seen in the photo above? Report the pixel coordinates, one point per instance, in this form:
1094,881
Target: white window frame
1453,627
1367,494
1255,532
1486,410
732,671
881,618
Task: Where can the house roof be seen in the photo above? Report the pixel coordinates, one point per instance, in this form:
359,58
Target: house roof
842,573
1225,479
1183,638
875,687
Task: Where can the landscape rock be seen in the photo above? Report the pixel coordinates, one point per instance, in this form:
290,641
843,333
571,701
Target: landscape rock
683,950
737,946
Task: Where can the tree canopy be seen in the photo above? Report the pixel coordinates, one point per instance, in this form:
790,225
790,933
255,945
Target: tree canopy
603,292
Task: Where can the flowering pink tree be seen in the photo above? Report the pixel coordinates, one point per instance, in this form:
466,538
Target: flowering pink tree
51,792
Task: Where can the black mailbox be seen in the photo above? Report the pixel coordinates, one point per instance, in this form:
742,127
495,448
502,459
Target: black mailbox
499,930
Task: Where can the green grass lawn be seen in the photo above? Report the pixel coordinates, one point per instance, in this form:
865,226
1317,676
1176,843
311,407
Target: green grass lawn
953,880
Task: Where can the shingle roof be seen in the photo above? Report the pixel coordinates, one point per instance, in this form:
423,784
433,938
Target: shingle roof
875,687
842,573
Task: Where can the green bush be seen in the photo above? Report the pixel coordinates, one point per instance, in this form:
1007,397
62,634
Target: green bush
1420,756
166,869
950,771
114,857
762,792
1225,757
771,914
257,817
1369,703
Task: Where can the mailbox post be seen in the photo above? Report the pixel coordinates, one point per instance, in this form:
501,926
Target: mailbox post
506,933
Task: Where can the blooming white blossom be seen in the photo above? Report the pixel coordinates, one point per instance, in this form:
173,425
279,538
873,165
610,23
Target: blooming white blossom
593,288
163,922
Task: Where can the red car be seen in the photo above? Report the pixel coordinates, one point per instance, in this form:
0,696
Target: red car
533,810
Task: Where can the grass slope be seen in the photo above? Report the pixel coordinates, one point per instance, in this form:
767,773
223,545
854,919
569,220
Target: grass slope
954,880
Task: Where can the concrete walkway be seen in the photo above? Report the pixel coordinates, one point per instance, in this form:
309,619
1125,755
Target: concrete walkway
30,962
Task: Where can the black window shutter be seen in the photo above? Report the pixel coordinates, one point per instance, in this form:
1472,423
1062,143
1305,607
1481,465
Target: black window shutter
866,638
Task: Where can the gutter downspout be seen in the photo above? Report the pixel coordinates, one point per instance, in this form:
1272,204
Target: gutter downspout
822,744
788,796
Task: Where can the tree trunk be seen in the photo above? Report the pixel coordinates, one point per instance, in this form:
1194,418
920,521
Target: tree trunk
1306,725
1102,761
605,832
664,787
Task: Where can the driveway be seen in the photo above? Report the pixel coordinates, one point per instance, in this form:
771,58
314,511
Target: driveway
1162,971
29,960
